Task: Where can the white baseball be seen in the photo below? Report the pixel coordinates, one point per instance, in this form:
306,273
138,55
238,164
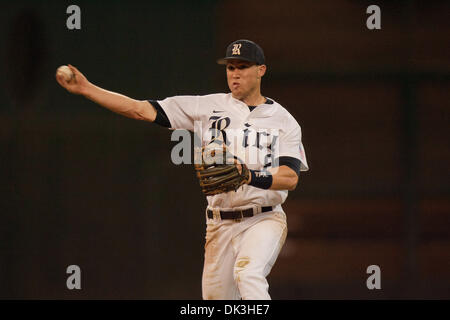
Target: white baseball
66,73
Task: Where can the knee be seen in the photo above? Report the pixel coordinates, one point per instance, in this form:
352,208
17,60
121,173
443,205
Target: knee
245,271
251,281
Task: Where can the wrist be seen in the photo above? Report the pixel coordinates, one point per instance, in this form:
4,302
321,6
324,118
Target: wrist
260,179
86,90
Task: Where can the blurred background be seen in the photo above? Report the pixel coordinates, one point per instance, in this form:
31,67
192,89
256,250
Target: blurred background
81,185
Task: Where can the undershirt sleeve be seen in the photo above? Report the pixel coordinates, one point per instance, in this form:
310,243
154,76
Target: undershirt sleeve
161,117
291,162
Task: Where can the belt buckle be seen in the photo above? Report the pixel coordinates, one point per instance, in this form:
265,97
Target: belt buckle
241,217
216,214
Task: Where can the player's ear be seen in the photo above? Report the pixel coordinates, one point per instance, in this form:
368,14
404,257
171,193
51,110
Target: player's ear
262,70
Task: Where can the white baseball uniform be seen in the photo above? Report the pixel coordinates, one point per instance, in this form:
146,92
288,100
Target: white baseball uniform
240,253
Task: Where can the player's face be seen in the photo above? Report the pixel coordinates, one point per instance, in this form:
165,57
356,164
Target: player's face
244,78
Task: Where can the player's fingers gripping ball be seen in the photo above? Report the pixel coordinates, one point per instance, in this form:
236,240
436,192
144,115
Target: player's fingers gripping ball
65,73
218,171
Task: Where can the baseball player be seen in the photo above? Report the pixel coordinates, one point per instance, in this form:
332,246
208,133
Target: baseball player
261,141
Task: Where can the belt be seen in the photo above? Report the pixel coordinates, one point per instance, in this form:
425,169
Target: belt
238,214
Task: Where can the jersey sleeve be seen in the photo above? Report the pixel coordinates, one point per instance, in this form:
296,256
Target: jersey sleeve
291,146
181,111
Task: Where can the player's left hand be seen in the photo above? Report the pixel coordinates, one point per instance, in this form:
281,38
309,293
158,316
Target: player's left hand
241,168
217,175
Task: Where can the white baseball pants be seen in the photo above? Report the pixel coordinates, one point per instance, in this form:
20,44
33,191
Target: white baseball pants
240,255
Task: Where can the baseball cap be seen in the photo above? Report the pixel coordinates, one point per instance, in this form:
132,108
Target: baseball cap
244,50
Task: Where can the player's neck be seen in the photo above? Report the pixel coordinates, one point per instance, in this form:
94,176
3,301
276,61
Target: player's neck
254,100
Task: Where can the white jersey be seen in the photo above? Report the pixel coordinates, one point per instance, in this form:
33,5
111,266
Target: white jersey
269,131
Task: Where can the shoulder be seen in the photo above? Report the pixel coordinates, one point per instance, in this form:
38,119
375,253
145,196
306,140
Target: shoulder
283,114
200,100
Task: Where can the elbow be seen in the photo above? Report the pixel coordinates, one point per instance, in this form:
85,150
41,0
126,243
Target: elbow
144,111
293,183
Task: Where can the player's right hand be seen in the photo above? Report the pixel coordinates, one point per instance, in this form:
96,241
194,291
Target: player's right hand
77,85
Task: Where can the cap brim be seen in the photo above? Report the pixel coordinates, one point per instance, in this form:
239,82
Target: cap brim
225,60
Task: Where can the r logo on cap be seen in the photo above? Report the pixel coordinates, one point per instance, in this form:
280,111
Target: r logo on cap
236,49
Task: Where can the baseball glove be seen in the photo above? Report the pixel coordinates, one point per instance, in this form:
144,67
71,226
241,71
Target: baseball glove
219,171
